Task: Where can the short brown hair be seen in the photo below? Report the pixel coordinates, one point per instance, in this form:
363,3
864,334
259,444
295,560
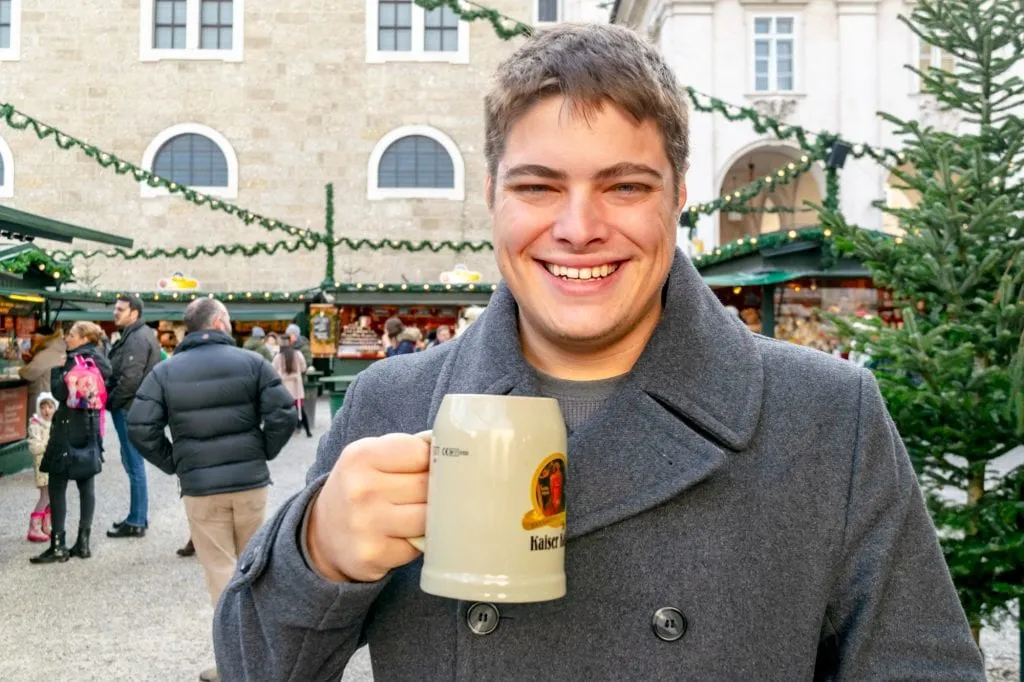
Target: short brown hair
90,331
588,64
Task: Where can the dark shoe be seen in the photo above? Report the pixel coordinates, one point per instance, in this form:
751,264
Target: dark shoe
126,531
188,550
118,524
56,553
81,547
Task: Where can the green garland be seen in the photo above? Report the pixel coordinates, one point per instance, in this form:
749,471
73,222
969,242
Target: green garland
21,121
37,260
329,232
764,124
305,295
505,27
186,295
746,245
738,199
413,247
193,253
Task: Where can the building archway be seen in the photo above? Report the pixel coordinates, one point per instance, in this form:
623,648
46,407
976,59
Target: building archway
757,161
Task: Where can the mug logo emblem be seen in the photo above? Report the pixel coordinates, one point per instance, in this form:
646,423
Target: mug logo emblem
547,494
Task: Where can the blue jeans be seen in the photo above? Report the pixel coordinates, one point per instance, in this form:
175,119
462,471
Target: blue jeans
135,467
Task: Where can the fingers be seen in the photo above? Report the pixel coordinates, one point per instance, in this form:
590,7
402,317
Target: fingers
402,488
403,521
398,453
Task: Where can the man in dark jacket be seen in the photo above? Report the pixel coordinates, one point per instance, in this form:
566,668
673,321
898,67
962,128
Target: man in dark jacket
132,358
229,415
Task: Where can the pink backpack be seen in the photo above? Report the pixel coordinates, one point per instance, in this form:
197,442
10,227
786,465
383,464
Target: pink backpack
86,390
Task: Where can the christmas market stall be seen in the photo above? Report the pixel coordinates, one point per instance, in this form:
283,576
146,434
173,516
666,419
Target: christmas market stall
346,324
29,278
779,284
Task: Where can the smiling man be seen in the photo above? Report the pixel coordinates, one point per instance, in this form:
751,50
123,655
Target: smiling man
738,508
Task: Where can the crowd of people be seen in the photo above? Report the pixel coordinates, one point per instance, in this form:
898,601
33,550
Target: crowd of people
239,409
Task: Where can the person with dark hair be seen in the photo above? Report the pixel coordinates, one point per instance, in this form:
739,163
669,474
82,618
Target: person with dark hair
132,357
738,507
229,415
72,427
291,367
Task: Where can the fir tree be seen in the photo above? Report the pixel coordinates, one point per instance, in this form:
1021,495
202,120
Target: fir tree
952,371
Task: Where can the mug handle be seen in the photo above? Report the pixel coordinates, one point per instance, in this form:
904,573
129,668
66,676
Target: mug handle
420,542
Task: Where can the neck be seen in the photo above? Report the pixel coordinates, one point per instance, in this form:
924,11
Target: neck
587,362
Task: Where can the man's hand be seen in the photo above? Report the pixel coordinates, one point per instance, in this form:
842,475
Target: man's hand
374,498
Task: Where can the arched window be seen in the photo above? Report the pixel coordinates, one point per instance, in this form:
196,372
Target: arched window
416,162
6,170
192,155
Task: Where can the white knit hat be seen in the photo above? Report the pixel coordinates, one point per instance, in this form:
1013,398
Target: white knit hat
45,396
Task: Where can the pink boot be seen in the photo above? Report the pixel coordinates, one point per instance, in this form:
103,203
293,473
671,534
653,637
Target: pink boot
35,528
47,528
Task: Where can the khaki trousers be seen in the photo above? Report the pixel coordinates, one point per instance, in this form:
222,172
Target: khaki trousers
221,526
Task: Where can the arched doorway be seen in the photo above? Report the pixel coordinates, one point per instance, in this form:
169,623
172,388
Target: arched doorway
765,159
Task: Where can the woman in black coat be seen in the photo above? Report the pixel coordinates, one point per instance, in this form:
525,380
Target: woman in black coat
75,427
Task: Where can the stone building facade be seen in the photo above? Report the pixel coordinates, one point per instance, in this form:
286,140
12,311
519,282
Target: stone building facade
820,64
265,102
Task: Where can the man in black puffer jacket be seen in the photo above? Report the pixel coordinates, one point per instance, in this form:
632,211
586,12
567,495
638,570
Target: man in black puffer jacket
229,415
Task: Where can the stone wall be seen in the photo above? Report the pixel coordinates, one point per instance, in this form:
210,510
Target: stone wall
302,109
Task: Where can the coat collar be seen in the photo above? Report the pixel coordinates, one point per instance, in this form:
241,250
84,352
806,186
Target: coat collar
701,363
694,394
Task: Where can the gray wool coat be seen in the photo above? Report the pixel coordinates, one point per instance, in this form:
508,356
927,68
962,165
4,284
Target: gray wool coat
758,487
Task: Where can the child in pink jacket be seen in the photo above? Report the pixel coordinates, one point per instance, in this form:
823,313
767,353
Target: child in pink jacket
38,437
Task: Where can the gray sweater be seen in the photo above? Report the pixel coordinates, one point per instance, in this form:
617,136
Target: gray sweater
757,488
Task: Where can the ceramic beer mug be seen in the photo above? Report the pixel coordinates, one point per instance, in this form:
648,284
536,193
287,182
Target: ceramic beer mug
495,500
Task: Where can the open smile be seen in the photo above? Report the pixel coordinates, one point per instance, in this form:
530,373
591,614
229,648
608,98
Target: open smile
592,272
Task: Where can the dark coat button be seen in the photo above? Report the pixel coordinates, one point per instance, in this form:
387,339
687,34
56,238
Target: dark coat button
482,618
668,624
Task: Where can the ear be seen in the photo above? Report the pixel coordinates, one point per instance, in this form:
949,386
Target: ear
681,199
489,192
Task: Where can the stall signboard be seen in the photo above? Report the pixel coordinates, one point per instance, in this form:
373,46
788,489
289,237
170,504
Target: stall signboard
13,413
323,326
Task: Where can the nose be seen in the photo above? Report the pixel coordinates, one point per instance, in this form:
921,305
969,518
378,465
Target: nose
580,223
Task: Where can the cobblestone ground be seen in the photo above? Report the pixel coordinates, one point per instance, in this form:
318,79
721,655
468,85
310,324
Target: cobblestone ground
135,610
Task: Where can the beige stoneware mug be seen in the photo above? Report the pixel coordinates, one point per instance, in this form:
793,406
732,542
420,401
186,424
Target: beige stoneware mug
495,500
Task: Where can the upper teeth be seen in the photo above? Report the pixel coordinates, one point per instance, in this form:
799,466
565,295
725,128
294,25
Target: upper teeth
595,272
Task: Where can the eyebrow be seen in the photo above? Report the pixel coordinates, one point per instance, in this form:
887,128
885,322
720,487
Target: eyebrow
617,171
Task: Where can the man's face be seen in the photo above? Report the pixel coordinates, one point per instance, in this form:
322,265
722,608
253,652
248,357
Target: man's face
585,224
124,315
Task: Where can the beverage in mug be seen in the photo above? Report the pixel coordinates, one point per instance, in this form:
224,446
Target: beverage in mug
496,500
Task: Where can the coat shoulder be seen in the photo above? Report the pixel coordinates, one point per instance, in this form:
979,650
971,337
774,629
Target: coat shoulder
806,377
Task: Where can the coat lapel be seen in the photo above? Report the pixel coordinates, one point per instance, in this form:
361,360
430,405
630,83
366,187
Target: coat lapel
692,400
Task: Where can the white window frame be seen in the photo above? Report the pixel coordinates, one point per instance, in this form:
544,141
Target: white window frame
773,80
376,193
7,185
13,53
417,53
936,61
191,51
536,14
229,192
